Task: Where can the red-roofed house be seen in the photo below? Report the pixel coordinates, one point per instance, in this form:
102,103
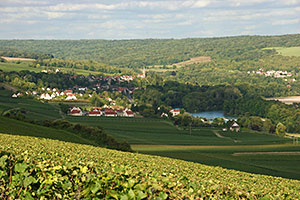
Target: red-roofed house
95,113
110,113
75,111
175,112
128,113
71,97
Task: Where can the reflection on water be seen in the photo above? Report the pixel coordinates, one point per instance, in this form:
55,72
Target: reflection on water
212,115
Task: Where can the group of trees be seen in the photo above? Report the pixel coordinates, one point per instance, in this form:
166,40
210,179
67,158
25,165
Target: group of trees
141,53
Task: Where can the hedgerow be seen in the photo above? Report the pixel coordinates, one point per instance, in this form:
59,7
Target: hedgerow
35,168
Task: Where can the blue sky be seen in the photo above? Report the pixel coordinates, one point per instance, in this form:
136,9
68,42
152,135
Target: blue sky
130,19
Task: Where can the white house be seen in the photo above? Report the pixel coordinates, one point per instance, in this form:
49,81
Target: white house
45,96
75,111
128,113
175,112
235,127
71,97
14,96
95,113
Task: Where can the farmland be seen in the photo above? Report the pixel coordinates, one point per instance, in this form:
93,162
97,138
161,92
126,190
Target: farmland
35,110
73,170
160,137
287,51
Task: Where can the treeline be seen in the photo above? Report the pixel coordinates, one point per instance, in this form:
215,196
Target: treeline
190,97
145,52
24,54
80,64
96,134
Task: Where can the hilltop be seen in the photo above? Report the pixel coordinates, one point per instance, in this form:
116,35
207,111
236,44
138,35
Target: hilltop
43,168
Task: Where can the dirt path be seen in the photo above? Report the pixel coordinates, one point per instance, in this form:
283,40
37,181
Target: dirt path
221,136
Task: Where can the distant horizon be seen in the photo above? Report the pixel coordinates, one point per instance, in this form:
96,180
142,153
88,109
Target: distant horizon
209,37
140,19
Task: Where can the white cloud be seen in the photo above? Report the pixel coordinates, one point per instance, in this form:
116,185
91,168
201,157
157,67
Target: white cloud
286,22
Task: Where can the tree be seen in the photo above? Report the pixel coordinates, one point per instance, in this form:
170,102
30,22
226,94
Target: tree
280,129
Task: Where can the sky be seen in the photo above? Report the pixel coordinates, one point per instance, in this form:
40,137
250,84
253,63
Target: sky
137,19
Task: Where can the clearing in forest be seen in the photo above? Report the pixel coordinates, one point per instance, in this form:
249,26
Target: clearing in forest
194,60
286,51
17,59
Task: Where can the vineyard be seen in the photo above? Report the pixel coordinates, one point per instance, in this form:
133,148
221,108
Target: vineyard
32,168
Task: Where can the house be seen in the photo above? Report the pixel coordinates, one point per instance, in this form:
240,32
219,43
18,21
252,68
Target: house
128,113
235,127
110,113
75,111
164,115
45,96
14,96
68,92
71,97
95,113
174,112
120,112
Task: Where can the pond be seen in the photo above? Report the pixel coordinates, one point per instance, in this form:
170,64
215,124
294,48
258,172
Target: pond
212,115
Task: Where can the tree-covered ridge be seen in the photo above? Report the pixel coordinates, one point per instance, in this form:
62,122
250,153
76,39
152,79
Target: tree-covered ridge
145,52
42,168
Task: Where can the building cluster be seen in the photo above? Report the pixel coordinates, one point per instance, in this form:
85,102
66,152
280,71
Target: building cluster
103,111
54,93
272,73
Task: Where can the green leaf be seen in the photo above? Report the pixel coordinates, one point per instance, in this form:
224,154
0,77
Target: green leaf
141,195
20,167
2,161
131,194
95,187
28,180
124,197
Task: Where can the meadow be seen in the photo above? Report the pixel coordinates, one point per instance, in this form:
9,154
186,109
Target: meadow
33,168
24,65
287,51
35,110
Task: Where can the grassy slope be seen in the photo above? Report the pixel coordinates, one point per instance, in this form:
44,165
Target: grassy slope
159,137
15,127
287,51
11,66
36,110
130,174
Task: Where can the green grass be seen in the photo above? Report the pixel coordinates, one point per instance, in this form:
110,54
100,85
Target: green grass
47,169
36,109
287,51
160,137
15,127
11,66
162,132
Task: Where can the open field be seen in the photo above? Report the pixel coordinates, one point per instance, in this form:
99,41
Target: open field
15,127
160,137
10,66
35,109
286,100
194,60
287,51
17,59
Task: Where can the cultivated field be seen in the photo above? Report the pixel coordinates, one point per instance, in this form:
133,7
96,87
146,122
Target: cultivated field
17,59
286,100
287,51
160,137
194,60
42,169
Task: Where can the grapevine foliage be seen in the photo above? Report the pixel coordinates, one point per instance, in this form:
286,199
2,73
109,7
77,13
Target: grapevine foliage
35,168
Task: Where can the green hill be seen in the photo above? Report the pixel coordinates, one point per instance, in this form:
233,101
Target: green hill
43,168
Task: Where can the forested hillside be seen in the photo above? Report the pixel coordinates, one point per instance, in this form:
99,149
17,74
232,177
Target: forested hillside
140,53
